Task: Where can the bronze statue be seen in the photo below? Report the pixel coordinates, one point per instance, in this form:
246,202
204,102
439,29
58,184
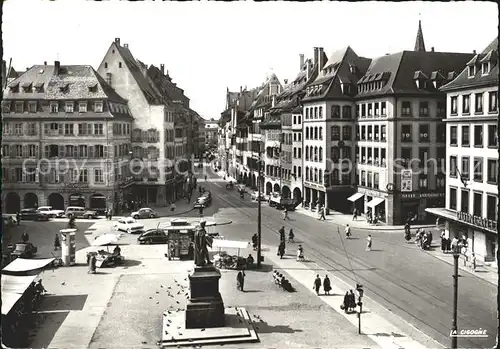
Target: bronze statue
201,243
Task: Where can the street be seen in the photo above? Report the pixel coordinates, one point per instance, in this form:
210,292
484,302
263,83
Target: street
408,283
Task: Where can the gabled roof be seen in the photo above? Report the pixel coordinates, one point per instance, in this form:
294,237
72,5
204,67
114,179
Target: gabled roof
73,82
8,73
336,71
165,86
464,81
138,71
400,68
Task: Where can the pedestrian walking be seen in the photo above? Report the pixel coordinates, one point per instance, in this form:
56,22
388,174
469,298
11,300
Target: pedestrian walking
285,214
322,213
327,286
92,264
240,280
25,237
18,218
317,284
300,253
57,243
355,214
281,249
282,233
369,243
345,305
347,231
172,207
110,213
351,301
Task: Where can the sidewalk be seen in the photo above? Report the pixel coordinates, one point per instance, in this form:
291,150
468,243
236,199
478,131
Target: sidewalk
376,327
359,223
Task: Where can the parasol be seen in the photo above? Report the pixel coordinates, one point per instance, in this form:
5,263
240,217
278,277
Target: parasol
106,240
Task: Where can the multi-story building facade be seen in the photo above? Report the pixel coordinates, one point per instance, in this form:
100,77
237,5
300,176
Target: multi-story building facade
328,126
66,139
161,113
471,207
210,132
401,135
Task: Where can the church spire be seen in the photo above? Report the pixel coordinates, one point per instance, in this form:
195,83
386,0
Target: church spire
419,42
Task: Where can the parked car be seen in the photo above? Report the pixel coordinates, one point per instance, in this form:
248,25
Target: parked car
153,236
129,225
144,213
255,196
77,212
51,212
31,214
24,250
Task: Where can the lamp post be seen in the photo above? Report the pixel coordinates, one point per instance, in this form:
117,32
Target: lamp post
456,255
259,208
360,290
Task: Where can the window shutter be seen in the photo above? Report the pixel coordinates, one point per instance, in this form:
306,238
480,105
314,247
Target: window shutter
13,175
46,128
23,176
105,151
61,151
91,151
61,128
37,151
24,153
75,175
37,175
46,152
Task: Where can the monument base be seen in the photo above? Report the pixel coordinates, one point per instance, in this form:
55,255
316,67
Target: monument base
205,308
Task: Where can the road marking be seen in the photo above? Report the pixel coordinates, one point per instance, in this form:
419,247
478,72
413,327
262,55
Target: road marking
217,184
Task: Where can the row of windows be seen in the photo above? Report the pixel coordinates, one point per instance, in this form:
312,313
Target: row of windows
371,156
478,103
477,169
91,176
477,202
368,179
150,136
371,133
423,109
20,107
315,133
478,135
371,109
336,112
274,171
297,136
424,133
407,159
59,128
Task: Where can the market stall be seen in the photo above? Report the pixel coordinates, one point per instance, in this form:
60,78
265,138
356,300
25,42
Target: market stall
224,260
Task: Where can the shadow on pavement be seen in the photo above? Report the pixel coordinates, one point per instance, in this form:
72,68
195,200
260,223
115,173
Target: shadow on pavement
130,263
264,268
264,327
63,302
47,325
392,334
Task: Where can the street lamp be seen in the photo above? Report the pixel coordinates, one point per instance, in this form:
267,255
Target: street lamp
456,254
259,209
360,290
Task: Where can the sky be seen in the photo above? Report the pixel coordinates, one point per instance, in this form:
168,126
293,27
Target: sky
208,47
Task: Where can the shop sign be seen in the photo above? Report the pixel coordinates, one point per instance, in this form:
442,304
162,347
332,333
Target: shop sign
406,181
77,187
477,221
372,193
314,186
421,195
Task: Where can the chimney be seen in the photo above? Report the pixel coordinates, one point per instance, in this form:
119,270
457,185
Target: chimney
162,69
474,51
308,69
286,81
57,66
241,89
432,49
45,63
27,68
117,41
125,45
321,59
301,56
315,55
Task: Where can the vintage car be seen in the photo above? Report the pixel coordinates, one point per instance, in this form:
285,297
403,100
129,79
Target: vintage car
31,214
153,236
204,200
8,220
24,250
255,196
276,200
144,213
129,225
80,212
51,212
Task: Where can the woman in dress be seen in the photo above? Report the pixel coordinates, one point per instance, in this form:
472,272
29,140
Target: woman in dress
369,243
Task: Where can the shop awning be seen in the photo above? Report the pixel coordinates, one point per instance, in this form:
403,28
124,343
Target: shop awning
355,197
13,287
375,202
219,243
24,265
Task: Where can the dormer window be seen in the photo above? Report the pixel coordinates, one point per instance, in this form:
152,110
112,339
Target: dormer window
38,87
98,107
14,88
486,68
69,107
472,71
93,88
64,88
82,107
54,107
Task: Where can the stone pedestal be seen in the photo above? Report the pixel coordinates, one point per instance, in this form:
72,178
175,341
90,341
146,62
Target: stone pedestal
205,308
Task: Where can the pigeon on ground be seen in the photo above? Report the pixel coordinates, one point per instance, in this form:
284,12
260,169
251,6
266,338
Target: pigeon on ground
202,329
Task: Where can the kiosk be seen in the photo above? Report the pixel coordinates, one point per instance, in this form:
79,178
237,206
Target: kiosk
68,246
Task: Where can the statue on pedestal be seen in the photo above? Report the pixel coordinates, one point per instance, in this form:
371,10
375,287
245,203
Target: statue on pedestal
201,243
